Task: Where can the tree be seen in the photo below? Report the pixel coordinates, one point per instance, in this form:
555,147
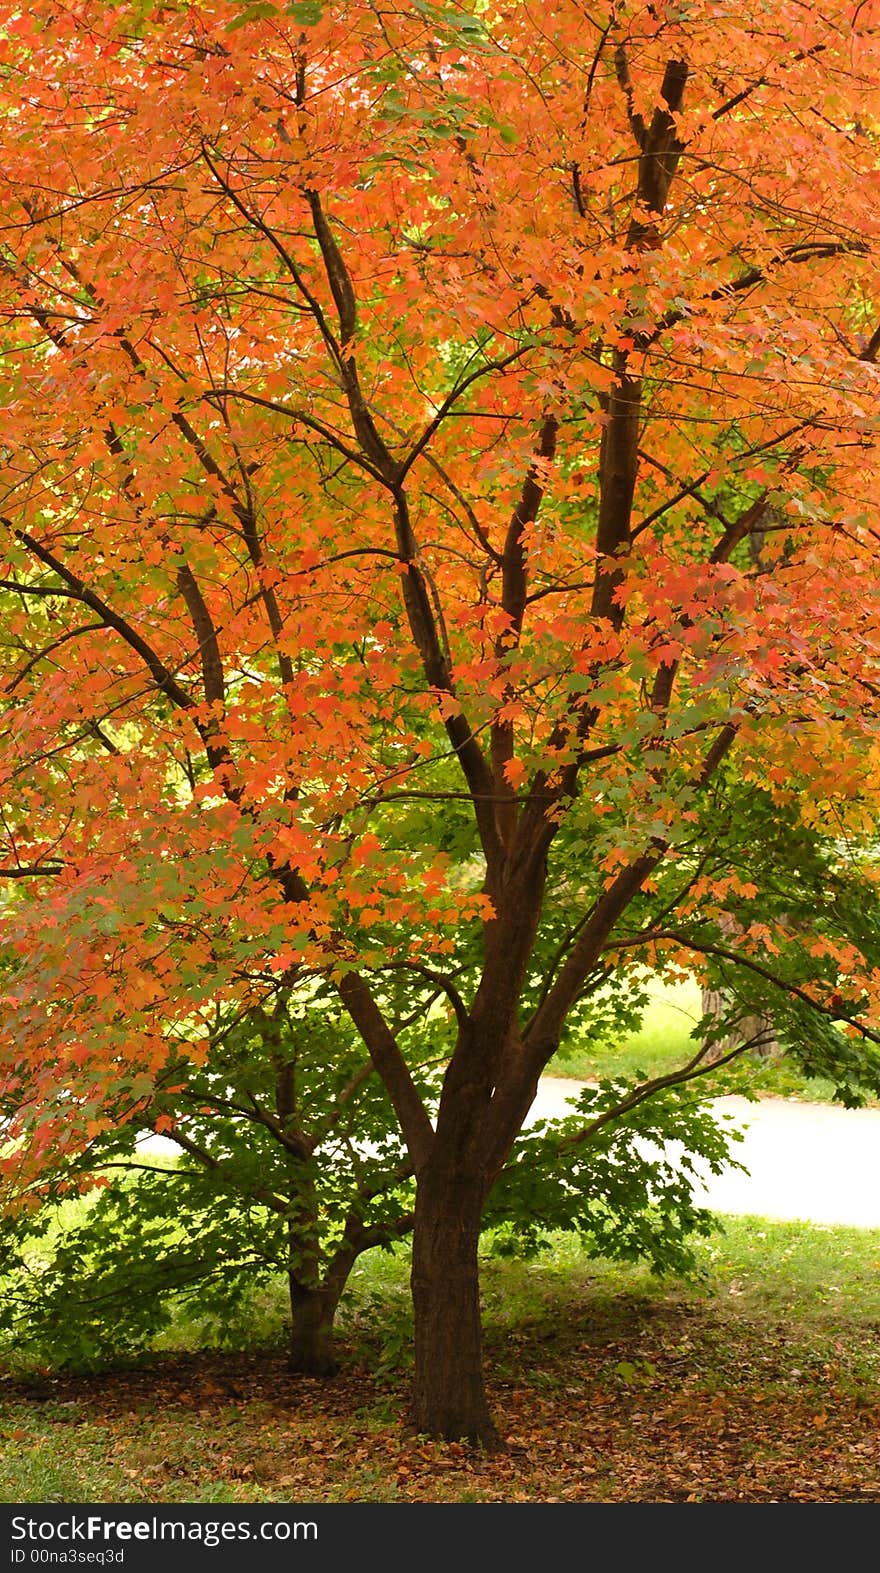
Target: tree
289,1168
288,1163
436,445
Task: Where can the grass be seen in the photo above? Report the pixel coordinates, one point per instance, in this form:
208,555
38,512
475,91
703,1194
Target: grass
664,1042
757,1380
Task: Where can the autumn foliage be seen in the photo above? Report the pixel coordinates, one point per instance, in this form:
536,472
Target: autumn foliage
437,464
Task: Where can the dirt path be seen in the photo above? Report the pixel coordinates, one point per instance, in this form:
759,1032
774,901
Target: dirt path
805,1160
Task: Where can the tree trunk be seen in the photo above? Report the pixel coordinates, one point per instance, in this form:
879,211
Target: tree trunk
313,1304
449,1398
755,1031
312,1314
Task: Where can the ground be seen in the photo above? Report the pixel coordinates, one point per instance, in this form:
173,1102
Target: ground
752,1385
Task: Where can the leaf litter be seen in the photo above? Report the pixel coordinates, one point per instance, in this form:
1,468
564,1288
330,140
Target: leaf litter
670,1402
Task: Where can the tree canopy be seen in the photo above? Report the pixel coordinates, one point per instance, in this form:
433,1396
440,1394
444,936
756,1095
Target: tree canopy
436,477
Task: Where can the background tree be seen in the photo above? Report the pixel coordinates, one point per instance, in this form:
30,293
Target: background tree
392,400
109,1246
288,1164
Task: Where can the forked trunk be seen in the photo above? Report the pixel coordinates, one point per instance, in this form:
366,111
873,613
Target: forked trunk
312,1313
449,1397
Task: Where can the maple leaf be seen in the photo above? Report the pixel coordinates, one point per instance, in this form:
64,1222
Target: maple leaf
349,461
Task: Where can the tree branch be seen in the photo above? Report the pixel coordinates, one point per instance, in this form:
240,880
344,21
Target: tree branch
417,1130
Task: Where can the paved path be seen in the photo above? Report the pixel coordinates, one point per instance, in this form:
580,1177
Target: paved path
814,1161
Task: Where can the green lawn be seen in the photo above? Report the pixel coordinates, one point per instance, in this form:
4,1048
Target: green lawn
759,1379
664,1043
756,1379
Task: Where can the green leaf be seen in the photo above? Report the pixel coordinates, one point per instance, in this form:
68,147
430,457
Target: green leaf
252,13
307,12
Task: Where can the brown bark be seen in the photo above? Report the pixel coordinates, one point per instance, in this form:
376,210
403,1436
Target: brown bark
312,1314
756,1033
448,1397
313,1303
